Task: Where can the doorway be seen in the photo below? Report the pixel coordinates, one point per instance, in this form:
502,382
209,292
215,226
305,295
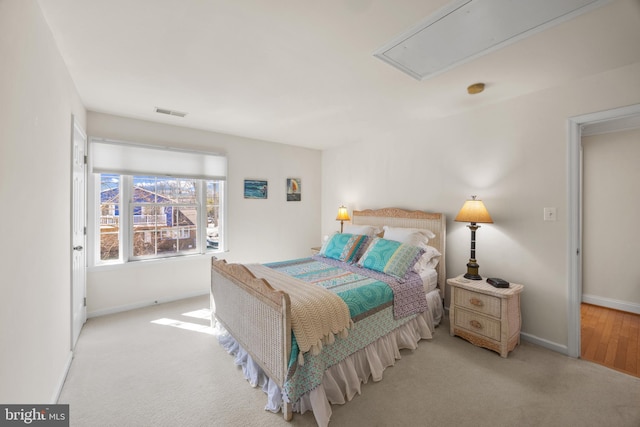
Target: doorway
604,121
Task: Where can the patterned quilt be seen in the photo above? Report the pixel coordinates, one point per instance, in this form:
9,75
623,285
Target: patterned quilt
377,303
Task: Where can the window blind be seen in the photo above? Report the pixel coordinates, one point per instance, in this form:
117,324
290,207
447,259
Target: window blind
137,159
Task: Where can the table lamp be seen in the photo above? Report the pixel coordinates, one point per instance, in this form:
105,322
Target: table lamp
473,211
343,215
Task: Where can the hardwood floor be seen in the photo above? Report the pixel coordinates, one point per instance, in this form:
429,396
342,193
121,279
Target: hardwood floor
611,338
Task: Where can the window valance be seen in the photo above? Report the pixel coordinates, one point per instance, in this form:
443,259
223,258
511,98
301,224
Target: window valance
126,158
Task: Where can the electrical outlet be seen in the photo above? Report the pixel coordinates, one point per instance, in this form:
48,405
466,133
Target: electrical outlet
550,214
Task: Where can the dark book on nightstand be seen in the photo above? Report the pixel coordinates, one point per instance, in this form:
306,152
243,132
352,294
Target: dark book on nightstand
497,282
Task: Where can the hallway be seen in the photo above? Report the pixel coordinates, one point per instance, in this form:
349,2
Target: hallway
610,338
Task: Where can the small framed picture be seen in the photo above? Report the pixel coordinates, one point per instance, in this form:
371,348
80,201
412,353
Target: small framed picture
294,189
255,189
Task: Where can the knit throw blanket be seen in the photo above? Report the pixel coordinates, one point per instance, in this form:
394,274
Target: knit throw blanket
316,313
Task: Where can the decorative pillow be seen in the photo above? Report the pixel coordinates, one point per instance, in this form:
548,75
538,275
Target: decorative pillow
391,257
429,259
367,230
343,246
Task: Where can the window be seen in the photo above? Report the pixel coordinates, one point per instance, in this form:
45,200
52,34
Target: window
109,222
147,216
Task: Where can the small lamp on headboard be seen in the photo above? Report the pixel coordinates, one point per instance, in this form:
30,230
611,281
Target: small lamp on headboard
343,215
473,211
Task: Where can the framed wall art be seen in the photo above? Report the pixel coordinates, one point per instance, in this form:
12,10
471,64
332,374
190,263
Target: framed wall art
294,189
255,189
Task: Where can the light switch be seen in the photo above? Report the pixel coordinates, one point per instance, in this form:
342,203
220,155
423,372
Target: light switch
550,214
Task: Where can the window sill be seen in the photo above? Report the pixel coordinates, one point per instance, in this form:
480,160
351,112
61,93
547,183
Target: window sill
147,262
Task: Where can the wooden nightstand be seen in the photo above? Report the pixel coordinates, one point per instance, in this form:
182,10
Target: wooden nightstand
315,250
484,315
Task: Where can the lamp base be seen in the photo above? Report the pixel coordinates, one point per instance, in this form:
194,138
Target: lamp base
472,270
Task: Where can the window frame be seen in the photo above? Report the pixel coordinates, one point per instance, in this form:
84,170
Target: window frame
126,231
133,205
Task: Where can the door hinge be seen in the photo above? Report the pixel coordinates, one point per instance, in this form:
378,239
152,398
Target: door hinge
85,159
85,301
85,231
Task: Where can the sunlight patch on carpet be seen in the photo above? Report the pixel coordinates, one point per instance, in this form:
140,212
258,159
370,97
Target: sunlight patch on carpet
203,313
185,325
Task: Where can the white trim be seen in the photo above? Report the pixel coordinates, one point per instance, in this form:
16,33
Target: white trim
574,243
62,379
147,303
615,304
544,343
574,189
138,263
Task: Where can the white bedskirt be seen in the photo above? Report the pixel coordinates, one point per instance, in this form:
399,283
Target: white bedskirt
342,382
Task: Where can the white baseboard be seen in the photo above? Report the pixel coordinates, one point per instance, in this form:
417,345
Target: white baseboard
545,343
630,307
62,379
142,304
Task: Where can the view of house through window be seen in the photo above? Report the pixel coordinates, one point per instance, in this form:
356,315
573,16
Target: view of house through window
109,217
164,216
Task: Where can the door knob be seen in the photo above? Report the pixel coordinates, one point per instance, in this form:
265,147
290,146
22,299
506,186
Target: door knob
77,248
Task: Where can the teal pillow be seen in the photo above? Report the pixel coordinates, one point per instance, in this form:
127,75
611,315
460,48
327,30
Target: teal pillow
342,246
393,258
378,254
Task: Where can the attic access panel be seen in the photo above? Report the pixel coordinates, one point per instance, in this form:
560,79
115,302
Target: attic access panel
467,29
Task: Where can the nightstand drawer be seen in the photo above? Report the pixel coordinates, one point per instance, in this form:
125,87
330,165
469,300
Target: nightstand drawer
478,324
475,301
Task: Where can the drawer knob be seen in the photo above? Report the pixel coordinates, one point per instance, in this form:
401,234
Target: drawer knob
476,302
475,324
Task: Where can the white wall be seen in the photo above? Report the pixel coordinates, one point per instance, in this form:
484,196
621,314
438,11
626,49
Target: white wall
38,100
513,155
257,230
610,215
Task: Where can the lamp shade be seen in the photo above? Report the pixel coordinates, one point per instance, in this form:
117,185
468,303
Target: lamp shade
473,211
343,214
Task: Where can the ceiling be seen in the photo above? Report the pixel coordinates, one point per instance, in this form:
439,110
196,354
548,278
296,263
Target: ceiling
301,72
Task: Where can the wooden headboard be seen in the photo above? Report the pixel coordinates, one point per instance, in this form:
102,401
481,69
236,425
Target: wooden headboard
394,217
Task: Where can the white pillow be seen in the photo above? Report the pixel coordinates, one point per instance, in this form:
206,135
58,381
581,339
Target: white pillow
412,236
367,230
429,259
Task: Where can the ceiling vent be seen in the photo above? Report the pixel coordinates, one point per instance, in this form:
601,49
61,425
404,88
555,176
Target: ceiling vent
466,29
170,112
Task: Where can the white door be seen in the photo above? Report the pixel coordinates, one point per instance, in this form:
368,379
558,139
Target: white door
78,234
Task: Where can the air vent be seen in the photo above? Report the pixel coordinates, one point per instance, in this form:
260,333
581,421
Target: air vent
466,29
170,112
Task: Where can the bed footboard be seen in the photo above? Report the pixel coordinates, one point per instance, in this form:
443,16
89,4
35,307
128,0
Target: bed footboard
256,315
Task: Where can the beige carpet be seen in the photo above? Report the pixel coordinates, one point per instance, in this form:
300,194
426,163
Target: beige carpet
128,371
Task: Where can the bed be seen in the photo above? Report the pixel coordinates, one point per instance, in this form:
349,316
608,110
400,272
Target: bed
265,330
